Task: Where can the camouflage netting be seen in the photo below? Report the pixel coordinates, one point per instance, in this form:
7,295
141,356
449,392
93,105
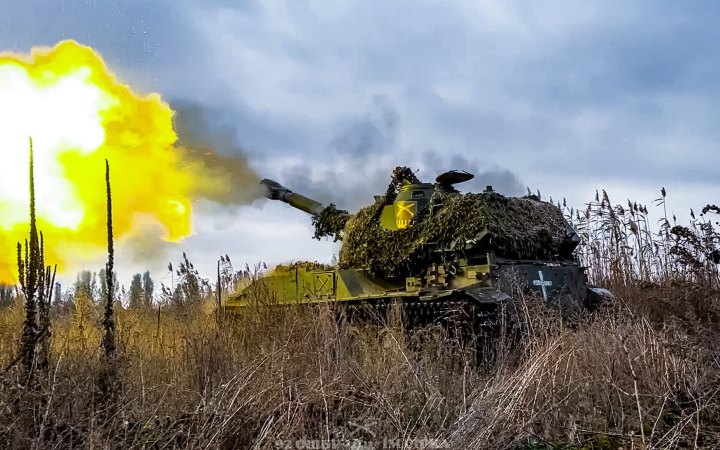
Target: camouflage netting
521,228
330,222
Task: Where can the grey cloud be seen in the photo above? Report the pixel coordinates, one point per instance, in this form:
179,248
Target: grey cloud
149,44
362,143
138,32
374,133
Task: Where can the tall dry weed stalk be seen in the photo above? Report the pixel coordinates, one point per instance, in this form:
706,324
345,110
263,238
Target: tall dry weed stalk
36,284
108,380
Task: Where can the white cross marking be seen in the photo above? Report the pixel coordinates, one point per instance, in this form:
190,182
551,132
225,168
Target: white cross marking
543,284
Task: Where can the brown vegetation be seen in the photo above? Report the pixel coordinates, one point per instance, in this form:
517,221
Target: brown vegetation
642,374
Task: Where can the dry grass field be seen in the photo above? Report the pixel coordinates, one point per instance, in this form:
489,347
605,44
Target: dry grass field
642,374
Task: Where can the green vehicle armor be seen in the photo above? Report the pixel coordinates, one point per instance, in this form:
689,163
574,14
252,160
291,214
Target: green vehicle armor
441,253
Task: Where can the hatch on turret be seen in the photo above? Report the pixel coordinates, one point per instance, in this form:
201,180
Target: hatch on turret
453,177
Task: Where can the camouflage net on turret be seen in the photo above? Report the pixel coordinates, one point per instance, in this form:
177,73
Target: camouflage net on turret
330,222
520,228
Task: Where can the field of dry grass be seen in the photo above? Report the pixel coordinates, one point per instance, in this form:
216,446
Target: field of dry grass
644,373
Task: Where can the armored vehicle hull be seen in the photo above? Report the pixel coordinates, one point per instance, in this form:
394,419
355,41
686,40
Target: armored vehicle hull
470,291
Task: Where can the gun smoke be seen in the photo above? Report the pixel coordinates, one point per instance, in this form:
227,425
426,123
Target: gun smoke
215,147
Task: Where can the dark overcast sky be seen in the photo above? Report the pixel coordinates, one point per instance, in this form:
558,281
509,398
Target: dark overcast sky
328,96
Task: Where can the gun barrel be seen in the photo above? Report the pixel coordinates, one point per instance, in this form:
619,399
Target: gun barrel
276,191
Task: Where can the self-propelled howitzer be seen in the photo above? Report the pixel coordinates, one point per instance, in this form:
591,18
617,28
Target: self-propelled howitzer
441,253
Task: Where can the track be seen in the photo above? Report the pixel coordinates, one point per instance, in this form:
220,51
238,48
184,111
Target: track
456,313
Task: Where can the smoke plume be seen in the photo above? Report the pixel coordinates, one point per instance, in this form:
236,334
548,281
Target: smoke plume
211,148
